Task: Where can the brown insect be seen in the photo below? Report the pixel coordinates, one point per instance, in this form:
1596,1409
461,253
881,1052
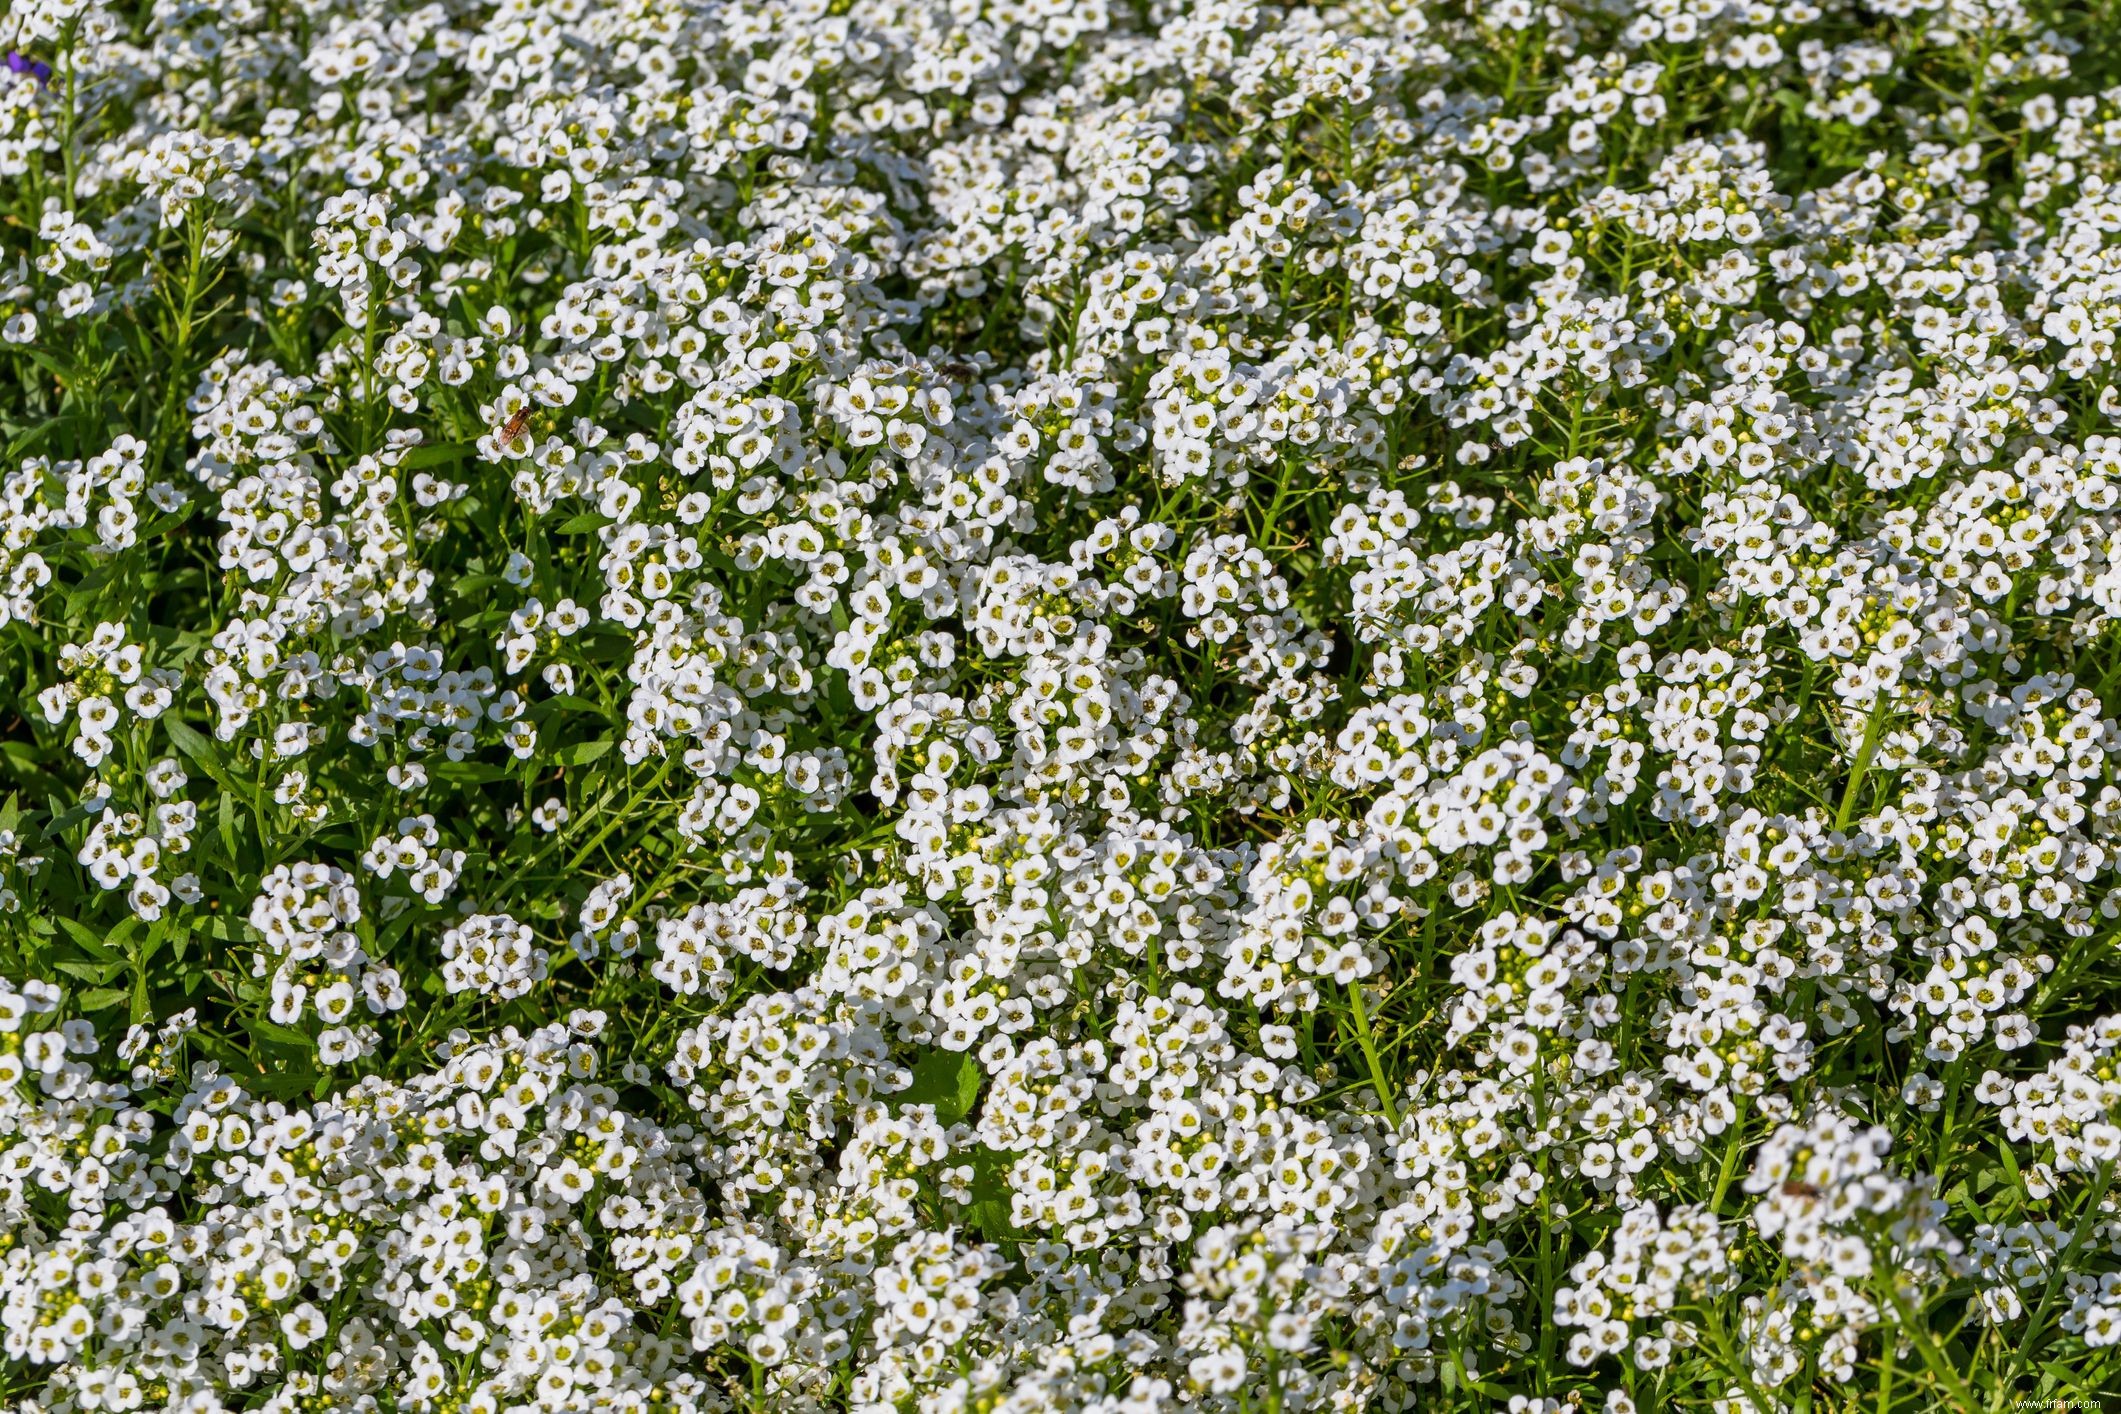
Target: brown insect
1794,1189
513,428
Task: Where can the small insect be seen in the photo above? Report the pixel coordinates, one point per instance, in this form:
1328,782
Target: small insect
1794,1189
513,428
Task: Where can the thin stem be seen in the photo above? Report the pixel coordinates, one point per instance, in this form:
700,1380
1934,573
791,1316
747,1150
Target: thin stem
2034,1328
1729,1168
1932,1358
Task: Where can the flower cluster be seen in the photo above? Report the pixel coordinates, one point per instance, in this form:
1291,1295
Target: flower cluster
1048,706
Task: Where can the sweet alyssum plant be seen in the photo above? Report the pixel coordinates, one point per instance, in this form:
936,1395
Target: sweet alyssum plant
1049,705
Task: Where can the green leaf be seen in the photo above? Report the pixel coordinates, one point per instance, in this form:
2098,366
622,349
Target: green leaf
553,706
202,749
65,820
948,1080
51,365
439,454
282,1035
2065,1378
226,818
27,439
98,972
470,772
158,933
94,944
989,1211
284,1084
581,753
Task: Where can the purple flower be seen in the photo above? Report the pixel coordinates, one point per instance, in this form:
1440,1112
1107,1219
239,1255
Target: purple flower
20,63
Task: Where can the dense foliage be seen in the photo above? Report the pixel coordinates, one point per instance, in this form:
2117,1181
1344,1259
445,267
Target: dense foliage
1059,705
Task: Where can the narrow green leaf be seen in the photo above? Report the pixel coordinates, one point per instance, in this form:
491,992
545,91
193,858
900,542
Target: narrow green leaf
581,753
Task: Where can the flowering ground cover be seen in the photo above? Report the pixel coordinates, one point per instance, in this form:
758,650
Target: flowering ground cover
1059,705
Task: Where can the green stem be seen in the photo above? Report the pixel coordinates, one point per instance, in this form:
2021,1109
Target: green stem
2034,1329
1932,1358
67,155
1729,1168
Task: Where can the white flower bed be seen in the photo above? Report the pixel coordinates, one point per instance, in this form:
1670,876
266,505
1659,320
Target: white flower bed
772,705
